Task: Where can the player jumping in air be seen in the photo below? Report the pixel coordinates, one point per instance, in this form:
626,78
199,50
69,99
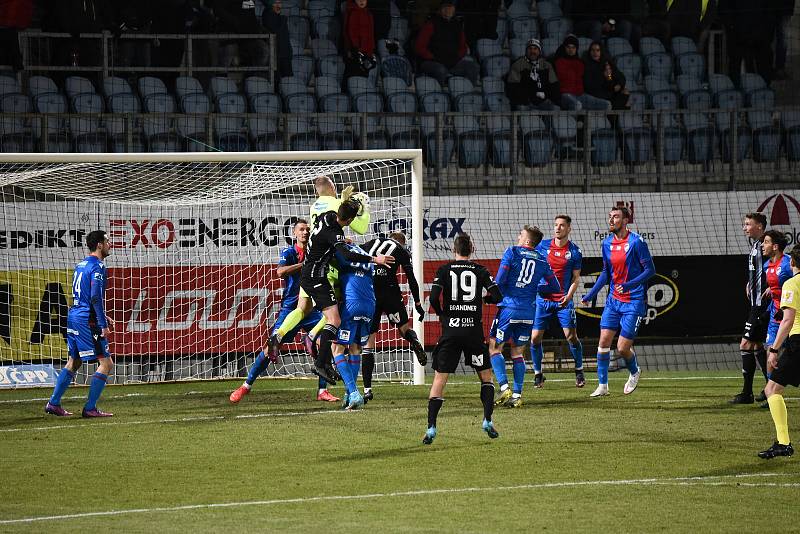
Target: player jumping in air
518,277
87,329
357,310
327,201
627,266
785,369
565,258
289,265
327,239
389,301
460,284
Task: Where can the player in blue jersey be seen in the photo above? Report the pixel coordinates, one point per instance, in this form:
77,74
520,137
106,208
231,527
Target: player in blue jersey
356,311
777,270
87,329
289,265
627,266
518,276
565,258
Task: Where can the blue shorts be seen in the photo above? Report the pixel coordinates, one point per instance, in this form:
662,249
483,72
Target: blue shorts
86,342
546,309
623,316
772,331
512,325
308,322
355,327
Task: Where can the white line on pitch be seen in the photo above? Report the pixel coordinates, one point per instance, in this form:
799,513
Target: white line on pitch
411,493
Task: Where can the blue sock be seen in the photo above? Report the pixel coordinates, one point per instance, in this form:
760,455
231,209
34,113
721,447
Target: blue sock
633,364
537,355
499,368
259,366
577,354
95,389
62,383
519,373
355,366
344,369
322,384
603,359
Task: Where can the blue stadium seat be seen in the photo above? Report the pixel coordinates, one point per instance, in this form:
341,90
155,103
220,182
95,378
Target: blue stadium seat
637,100
517,46
291,85
192,127
185,86
659,64
322,48
471,137
320,8
682,45
584,43
673,138
604,141
761,99
397,67
636,138
631,66
327,28
435,102
525,28
699,138
393,85
426,84
469,102
264,132
298,48
256,85
459,85
86,133
565,133
221,85
324,86
403,132
558,27
398,29
766,136
375,132
651,45
76,85
291,8
334,134
8,85
732,100
41,84
655,84
518,9
618,46
537,142
692,64
718,83
697,100
502,30
790,124
687,83
497,102
548,10
303,68
498,128
492,85
157,126
303,134
357,85
332,66
231,131
496,66
14,136
119,103
114,85
298,29
550,45
486,48
334,103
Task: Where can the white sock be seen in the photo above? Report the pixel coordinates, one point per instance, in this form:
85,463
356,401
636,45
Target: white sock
247,386
503,388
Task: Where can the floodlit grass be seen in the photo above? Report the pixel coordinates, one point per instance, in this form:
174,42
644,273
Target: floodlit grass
674,456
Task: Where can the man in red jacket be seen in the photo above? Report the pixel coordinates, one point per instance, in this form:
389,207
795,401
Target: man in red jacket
442,47
569,69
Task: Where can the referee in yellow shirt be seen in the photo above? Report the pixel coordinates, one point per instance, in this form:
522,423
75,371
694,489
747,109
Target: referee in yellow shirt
786,368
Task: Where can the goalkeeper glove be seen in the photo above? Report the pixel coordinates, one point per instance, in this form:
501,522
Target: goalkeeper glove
362,199
347,192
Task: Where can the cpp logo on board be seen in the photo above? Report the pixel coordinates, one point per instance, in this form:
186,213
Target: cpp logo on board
27,375
783,212
662,296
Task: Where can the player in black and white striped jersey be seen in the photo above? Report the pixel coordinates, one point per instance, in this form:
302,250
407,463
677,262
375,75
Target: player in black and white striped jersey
389,301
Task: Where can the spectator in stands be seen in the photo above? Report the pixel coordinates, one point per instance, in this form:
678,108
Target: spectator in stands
420,11
749,31
598,20
276,24
239,16
359,38
532,82
442,47
783,14
15,15
132,18
570,69
480,19
691,18
602,79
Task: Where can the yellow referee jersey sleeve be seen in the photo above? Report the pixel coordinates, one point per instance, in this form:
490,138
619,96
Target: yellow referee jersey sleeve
790,298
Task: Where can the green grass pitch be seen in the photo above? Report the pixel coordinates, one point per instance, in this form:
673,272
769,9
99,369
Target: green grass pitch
672,457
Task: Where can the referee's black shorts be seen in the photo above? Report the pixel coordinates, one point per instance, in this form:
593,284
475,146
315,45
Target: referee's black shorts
788,371
755,328
389,301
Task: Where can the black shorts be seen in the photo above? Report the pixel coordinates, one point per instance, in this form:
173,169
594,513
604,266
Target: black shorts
755,329
320,291
447,354
389,302
788,371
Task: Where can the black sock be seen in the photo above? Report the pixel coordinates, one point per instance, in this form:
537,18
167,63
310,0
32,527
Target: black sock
410,336
748,371
328,334
761,358
367,367
434,405
487,398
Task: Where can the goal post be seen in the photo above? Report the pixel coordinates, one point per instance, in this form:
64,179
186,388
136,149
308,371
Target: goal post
195,241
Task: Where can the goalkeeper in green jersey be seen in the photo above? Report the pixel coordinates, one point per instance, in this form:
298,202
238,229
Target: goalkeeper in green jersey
326,201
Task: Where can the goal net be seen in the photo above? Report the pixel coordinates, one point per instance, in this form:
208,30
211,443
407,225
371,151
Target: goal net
192,285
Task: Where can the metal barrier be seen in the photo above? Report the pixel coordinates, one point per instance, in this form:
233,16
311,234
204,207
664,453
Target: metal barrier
580,151
109,54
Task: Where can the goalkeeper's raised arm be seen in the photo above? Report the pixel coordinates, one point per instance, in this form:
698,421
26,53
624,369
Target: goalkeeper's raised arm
328,201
